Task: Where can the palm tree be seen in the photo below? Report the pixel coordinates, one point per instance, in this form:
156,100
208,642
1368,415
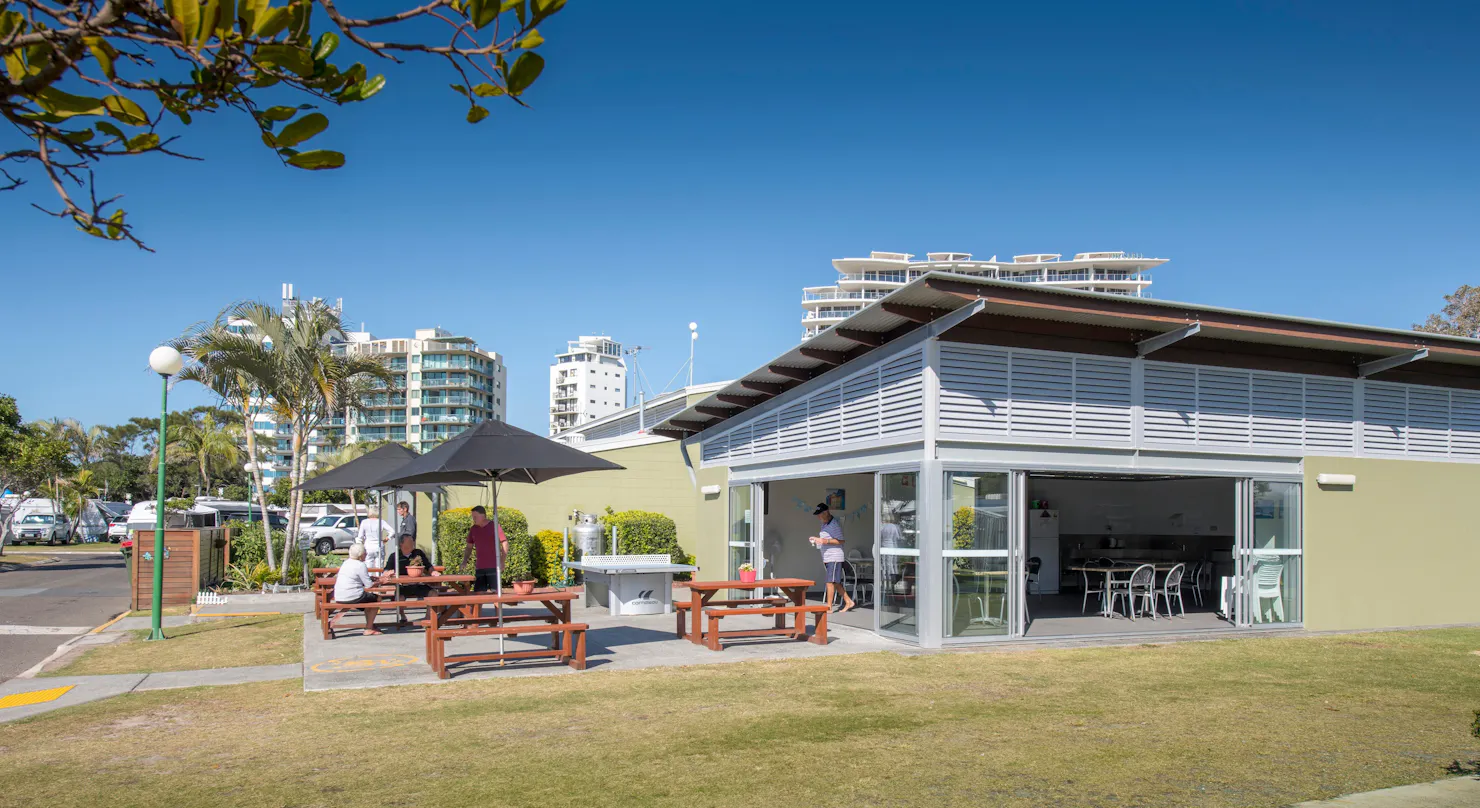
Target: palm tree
209,444
88,443
82,488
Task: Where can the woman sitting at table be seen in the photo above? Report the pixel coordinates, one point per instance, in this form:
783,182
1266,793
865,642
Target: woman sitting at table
352,585
407,554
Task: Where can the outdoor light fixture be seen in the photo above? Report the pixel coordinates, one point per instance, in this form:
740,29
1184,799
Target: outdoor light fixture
165,361
693,337
1347,480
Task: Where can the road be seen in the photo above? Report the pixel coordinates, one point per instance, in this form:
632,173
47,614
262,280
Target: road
43,606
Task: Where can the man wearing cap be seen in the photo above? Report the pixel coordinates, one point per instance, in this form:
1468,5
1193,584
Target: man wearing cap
829,540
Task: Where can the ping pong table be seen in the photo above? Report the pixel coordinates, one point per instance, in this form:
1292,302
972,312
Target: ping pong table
629,584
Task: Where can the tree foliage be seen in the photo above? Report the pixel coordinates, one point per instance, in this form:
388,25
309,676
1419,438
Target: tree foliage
1460,317
87,80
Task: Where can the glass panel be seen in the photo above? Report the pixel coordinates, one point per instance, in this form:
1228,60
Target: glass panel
1276,516
976,603
979,514
740,520
897,564
1275,563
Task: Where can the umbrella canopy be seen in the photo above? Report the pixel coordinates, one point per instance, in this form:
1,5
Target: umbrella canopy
364,472
494,450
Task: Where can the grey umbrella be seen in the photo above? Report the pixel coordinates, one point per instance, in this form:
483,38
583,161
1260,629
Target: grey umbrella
494,451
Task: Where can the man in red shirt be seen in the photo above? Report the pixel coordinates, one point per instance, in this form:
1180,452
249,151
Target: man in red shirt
491,551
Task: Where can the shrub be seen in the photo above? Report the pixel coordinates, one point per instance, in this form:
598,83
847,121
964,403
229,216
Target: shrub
519,566
646,533
179,504
237,493
247,546
452,535
548,558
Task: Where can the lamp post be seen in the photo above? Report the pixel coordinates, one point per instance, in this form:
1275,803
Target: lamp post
693,338
165,361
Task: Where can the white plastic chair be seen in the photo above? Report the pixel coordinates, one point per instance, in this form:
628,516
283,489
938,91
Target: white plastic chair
1094,584
1137,589
1267,575
860,588
1173,587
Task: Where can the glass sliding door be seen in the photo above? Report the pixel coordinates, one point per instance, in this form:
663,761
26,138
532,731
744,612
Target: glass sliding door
742,535
896,573
1270,554
980,592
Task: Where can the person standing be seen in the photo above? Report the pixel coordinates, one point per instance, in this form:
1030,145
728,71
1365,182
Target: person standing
405,523
373,533
829,540
491,548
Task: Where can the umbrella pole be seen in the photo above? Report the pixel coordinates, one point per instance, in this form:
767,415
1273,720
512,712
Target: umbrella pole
498,565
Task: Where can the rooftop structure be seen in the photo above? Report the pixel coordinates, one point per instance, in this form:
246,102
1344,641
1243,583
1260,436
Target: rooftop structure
587,381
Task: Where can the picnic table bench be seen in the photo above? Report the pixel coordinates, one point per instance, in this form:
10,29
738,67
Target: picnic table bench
451,617
704,607
325,606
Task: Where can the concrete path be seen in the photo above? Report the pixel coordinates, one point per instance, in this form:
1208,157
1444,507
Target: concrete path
83,689
1456,792
44,605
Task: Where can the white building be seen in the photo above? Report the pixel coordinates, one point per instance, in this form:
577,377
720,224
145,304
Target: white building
588,381
861,281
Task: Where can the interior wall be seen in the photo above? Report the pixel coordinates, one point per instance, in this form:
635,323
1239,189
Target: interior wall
789,522
1185,507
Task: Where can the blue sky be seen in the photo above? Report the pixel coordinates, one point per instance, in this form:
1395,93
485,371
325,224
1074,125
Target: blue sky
704,161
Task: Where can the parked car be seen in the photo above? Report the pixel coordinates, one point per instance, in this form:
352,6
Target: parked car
118,528
38,527
330,533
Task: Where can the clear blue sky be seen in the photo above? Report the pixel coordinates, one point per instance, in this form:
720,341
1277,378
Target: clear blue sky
704,161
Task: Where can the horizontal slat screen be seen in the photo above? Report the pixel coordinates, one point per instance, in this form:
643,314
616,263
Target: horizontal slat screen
1032,395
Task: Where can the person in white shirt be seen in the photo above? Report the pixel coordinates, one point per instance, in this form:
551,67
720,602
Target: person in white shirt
373,534
829,541
352,585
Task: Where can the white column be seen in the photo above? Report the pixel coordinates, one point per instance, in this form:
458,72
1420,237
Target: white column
929,509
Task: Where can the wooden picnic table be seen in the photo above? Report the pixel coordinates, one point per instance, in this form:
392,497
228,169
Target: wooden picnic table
704,592
448,614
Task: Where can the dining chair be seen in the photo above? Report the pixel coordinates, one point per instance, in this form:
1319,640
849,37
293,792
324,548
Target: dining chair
1139,588
1191,577
1173,587
1267,577
1030,580
1094,583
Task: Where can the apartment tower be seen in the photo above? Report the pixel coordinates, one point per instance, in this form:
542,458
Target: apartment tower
587,381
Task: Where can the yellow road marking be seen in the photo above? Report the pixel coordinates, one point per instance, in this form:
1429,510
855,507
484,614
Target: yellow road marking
33,697
105,626
364,663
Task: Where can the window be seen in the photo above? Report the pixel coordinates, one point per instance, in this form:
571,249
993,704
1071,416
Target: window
416,359
976,554
415,376
414,411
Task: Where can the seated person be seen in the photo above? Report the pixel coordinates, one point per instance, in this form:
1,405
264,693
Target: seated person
352,585
408,554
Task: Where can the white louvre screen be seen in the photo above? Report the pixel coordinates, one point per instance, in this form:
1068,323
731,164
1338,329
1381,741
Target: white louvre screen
1224,415
973,389
1033,395
740,442
1428,421
1278,406
1042,396
1102,399
1330,415
1385,416
765,440
1170,395
716,448
1464,424
901,409
861,407
825,420
793,435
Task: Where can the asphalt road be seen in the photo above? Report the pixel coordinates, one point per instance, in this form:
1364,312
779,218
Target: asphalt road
74,594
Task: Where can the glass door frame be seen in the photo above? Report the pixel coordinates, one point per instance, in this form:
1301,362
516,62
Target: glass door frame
751,543
1016,553
1245,550
901,552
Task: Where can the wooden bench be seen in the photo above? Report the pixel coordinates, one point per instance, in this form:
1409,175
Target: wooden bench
681,608
445,621
328,608
712,637
568,643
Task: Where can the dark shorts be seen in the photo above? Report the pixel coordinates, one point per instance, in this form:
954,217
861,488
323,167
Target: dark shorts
415,590
365,597
834,572
485,580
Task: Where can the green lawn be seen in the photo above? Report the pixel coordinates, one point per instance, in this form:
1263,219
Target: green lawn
1258,722
225,643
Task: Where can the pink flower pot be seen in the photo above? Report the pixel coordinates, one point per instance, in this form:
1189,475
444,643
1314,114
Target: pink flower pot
747,576
522,587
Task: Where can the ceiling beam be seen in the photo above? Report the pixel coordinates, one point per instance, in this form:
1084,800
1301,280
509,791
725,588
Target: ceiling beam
1156,343
800,374
873,339
687,426
717,412
769,388
744,402
830,357
1388,363
670,432
916,314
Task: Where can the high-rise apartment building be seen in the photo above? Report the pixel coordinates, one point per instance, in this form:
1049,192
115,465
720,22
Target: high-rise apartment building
443,384
587,382
861,281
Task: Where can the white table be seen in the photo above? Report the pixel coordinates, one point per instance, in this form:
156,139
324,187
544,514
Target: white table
629,584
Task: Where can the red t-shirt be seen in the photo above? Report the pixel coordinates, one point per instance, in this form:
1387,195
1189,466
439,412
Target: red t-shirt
486,548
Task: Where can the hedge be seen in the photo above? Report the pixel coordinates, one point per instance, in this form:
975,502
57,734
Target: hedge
646,533
548,558
452,535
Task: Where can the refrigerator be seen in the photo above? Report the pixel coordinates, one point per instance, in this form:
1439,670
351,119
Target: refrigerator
1043,542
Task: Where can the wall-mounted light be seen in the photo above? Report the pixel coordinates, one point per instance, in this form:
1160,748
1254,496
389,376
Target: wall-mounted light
1344,480
709,490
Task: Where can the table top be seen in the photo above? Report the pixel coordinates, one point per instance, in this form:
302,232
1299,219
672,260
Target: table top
779,583
617,569
1161,566
391,578
507,598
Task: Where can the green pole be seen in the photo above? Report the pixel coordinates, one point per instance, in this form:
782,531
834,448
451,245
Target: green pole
156,626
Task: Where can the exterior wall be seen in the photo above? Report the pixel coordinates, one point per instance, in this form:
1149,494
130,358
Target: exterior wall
1400,548
654,479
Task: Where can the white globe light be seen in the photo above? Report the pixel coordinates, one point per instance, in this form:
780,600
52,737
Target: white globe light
694,335
693,326
165,360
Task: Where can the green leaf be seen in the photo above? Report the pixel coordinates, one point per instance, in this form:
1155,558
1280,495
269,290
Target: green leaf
143,142
272,23
476,113
532,39
186,17
207,22
109,129
483,12
524,71
545,8
371,86
115,225
328,41
65,105
279,113
249,12
103,52
459,88
302,129
487,90
293,58
317,160
125,110
80,136
226,18
10,22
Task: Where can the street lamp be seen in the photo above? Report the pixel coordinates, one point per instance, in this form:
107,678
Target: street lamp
693,338
165,361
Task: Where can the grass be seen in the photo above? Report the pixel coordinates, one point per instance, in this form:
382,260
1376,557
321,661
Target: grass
1258,722
91,547
13,557
226,643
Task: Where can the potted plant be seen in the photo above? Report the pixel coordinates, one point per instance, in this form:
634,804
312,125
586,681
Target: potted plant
415,570
519,566
747,573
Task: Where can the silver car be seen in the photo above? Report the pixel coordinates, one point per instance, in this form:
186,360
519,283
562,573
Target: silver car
330,533
34,528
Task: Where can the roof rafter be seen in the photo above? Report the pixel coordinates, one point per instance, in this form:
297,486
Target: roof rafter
1388,363
1156,343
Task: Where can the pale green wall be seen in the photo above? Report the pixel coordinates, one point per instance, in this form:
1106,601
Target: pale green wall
654,478
1401,548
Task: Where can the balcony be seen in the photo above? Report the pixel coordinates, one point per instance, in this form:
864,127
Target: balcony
466,418
873,277
1055,276
454,399
379,418
1111,275
871,294
1025,277
831,314
369,402
397,365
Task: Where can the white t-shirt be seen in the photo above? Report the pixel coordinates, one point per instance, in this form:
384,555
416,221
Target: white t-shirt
352,580
373,533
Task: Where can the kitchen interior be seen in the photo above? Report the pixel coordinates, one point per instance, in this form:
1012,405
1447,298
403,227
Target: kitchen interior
1076,521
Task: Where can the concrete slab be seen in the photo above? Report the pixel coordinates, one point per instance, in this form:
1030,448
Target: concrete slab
285,603
612,643
85,689
220,676
1455,792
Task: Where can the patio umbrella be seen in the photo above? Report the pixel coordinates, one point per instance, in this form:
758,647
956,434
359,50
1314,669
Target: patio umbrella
494,451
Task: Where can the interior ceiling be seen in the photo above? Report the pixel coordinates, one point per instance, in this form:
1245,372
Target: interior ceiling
1118,477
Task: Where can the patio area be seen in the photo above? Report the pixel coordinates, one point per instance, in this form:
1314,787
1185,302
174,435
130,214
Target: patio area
612,643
